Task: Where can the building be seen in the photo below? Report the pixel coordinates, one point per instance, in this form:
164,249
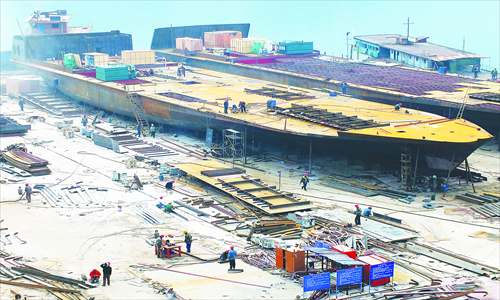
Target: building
52,22
414,52
53,46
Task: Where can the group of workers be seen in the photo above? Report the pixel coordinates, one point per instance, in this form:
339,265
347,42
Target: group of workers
161,242
242,107
366,213
106,272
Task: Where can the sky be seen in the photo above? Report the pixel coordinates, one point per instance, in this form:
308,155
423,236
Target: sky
325,23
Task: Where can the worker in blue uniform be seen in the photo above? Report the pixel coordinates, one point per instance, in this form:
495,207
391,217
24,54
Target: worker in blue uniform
367,212
226,105
343,85
232,258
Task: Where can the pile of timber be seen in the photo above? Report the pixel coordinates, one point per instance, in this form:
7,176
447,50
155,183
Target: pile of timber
488,204
30,163
19,274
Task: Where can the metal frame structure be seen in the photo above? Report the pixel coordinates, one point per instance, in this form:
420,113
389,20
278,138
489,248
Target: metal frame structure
233,145
280,94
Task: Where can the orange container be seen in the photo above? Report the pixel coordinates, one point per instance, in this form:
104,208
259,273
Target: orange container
346,250
220,39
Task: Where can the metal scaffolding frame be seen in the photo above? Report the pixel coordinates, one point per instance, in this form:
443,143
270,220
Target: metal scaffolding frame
233,145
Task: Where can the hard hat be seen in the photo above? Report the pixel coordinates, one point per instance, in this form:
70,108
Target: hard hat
152,124
161,197
173,181
185,231
170,235
94,270
162,235
305,174
138,122
370,207
109,263
169,202
27,184
476,65
85,116
356,205
232,247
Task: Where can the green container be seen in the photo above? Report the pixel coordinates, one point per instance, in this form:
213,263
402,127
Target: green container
115,72
295,47
69,60
257,46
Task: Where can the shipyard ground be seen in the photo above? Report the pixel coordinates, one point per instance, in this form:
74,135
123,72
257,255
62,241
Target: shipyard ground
71,241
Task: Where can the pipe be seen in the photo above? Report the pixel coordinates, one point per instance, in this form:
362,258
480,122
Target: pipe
191,208
214,278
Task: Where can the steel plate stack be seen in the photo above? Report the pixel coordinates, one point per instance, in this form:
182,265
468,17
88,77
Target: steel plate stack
27,162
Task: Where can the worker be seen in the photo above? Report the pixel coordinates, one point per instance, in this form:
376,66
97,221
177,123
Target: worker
226,105
232,258
304,181
106,271
156,234
158,245
234,109
224,255
306,176
153,130
343,85
28,191
94,276
151,72
139,128
367,212
170,185
169,207
21,103
475,70
357,220
398,106
243,107
84,120
188,239
494,74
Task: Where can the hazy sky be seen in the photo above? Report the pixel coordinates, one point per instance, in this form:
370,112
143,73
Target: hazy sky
323,22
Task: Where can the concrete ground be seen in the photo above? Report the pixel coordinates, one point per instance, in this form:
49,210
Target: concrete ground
71,241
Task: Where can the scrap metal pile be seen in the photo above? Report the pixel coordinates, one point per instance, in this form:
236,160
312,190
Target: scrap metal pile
13,272
488,205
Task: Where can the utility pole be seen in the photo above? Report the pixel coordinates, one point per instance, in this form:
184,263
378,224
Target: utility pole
347,45
408,30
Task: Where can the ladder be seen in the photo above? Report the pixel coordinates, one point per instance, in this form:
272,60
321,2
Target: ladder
464,103
405,168
138,111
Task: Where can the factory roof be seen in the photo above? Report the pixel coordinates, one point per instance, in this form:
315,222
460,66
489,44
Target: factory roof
417,47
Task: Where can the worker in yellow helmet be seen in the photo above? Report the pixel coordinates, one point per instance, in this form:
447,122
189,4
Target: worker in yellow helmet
169,207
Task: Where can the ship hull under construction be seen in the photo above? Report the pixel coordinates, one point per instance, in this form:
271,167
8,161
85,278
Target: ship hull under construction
434,157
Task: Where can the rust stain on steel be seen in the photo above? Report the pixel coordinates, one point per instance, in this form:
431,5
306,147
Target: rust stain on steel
156,108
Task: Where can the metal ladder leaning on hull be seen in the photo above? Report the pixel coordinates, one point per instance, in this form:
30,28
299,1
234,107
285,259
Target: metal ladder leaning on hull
138,111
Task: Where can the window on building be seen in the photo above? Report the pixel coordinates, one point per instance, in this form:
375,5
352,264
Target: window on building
425,61
55,25
409,56
416,58
376,48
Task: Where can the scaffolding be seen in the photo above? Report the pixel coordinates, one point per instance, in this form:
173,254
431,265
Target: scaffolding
406,168
233,145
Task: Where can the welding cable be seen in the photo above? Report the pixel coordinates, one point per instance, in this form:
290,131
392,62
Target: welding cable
79,164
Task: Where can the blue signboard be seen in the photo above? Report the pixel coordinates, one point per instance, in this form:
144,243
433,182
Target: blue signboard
349,276
316,282
380,271
321,245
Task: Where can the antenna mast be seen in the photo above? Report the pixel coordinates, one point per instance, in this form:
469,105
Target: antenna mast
408,30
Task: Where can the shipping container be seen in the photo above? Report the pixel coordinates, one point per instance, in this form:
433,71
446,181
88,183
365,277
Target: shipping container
138,57
295,47
246,45
372,260
95,59
189,43
115,72
220,39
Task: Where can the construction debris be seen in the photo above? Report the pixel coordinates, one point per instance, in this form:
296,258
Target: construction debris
9,126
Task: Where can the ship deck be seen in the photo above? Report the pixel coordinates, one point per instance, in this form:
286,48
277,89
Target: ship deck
205,91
